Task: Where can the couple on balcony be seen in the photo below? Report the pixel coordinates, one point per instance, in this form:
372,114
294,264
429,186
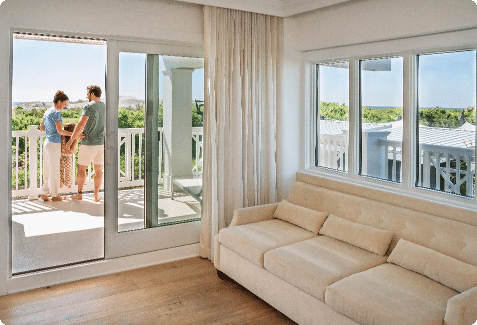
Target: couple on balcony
60,144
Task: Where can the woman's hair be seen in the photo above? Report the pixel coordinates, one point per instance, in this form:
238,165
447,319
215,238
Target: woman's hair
60,96
70,127
95,90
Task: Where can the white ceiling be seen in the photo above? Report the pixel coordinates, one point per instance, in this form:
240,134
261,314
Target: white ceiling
281,8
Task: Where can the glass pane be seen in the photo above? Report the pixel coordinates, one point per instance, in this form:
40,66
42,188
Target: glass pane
333,100
381,118
182,90
47,233
179,99
131,140
447,92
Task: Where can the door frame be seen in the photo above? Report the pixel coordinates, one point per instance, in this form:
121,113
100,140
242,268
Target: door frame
10,284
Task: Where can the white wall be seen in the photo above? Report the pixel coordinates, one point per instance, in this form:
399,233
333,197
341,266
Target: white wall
290,115
155,19
169,21
355,22
372,20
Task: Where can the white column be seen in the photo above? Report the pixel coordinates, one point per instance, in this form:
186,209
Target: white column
374,154
177,122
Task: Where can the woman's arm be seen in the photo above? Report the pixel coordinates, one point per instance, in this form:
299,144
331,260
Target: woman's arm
59,129
42,125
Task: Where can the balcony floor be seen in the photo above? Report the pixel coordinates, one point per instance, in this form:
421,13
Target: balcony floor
49,234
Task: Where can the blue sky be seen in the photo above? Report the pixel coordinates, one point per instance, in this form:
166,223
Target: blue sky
41,68
447,80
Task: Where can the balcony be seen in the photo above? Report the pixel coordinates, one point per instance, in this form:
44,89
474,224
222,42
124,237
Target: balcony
47,234
446,156
27,172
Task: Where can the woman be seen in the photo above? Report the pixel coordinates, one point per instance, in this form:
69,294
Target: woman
52,124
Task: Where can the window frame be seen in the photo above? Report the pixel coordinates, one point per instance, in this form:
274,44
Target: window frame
409,48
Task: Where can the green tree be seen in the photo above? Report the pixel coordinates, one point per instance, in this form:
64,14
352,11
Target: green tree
334,111
381,115
440,117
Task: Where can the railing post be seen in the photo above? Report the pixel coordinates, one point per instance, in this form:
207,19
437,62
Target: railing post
374,155
33,135
469,176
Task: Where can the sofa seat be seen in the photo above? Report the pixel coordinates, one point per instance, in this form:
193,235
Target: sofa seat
390,294
253,240
314,264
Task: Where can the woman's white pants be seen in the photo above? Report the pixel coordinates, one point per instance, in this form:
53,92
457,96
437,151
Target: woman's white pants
51,168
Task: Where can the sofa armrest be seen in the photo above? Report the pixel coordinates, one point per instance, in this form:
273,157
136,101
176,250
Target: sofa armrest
253,214
462,309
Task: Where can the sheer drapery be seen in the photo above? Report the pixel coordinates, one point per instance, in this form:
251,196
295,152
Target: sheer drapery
241,51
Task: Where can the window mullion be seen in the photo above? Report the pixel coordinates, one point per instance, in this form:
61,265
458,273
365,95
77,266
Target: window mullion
354,117
409,142
475,125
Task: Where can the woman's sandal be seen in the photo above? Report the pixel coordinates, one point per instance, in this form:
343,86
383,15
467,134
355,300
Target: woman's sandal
45,198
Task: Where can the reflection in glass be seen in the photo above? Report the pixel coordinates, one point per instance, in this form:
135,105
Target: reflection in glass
160,140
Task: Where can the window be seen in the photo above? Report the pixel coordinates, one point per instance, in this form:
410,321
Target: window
333,102
381,118
446,132
412,122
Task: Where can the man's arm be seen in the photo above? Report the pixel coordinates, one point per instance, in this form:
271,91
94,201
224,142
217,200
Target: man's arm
42,125
78,129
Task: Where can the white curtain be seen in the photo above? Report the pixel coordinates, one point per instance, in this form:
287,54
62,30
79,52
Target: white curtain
242,57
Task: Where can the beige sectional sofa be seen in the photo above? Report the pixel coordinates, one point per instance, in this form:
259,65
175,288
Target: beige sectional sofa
335,253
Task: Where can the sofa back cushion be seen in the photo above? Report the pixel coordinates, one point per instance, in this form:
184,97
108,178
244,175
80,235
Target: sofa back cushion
305,218
450,272
452,238
372,239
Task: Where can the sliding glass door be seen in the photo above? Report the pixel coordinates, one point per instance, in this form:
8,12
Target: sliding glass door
153,148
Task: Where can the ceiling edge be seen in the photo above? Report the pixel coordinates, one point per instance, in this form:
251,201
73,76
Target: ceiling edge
302,6
270,7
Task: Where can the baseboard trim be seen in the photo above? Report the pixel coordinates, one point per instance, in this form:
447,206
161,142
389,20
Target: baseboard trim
97,268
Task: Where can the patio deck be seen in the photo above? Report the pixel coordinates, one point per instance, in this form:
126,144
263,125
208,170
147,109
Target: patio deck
49,234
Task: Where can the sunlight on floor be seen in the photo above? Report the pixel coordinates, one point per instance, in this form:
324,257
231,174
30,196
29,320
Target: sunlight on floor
48,234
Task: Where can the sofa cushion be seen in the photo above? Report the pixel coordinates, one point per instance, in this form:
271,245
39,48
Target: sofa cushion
453,273
308,219
390,294
369,238
252,240
313,264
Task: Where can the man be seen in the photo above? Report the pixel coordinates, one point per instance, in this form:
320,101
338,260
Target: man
91,123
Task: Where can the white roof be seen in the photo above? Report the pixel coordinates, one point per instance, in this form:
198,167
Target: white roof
467,126
337,127
460,137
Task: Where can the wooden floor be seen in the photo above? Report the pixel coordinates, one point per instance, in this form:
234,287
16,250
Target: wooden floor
181,292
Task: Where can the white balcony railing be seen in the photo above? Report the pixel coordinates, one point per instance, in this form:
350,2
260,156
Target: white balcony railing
27,171
444,168
333,151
